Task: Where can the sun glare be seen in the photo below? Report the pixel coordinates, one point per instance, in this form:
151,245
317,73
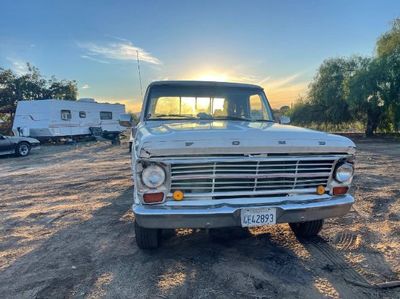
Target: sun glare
213,76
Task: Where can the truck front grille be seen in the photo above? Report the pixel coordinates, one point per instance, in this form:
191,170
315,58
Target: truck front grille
254,177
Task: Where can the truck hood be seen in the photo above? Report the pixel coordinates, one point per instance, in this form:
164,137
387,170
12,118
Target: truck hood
174,138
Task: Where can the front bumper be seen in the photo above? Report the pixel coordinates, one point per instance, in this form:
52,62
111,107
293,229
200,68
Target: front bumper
228,214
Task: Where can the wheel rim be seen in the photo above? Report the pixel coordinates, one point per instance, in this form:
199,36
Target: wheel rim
23,150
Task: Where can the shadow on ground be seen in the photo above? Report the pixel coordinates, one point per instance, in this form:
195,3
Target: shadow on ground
99,258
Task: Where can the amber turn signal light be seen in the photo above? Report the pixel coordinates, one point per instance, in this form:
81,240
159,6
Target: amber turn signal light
340,190
320,190
178,195
153,197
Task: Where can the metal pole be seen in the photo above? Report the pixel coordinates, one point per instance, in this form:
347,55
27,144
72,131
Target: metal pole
140,76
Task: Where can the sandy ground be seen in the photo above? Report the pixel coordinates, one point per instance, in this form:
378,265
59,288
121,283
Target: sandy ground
66,232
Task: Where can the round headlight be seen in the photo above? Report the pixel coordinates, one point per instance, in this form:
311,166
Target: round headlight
344,172
153,176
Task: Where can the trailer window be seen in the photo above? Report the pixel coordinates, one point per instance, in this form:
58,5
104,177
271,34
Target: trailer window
65,114
82,114
105,115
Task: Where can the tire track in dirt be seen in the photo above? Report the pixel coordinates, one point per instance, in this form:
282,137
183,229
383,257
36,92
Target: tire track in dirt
69,255
347,240
337,266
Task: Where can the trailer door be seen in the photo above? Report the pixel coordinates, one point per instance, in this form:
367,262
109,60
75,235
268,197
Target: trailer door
106,120
66,116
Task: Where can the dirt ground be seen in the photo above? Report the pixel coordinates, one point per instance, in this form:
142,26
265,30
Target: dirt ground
66,232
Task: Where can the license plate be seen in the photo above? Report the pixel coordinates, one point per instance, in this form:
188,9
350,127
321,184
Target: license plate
258,216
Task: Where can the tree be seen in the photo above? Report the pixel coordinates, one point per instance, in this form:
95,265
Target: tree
326,93
364,94
284,110
31,86
63,89
391,87
357,88
302,113
7,90
389,41
388,53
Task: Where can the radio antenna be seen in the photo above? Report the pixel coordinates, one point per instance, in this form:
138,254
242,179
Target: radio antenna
140,76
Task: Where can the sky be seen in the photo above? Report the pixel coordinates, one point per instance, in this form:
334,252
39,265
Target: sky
276,44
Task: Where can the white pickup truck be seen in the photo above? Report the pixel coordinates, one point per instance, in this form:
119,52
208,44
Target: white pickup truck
210,154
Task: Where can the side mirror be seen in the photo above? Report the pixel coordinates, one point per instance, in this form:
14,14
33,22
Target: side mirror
284,120
126,120
2,137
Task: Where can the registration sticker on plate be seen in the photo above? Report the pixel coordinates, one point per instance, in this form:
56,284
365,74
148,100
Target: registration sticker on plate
258,216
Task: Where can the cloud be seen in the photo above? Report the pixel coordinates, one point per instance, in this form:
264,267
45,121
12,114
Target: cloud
280,82
120,50
286,95
18,66
280,91
264,80
244,78
85,86
284,90
94,59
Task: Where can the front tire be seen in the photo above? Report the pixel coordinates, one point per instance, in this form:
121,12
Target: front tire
23,149
147,238
307,229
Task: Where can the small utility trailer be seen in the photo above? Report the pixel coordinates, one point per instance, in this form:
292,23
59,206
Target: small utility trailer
55,119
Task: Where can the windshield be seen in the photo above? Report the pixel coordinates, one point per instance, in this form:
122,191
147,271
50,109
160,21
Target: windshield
207,102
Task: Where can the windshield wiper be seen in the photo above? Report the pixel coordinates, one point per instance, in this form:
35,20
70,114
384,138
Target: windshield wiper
244,119
169,115
264,120
233,118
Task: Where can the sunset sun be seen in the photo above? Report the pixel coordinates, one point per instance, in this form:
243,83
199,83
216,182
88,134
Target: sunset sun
212,76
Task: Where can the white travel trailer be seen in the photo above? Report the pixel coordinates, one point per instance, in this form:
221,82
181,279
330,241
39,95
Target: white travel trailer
53,119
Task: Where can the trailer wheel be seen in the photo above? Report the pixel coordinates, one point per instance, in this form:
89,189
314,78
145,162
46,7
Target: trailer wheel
130,146
116,141
23,149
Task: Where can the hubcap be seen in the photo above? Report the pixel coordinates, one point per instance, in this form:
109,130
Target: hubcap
23,150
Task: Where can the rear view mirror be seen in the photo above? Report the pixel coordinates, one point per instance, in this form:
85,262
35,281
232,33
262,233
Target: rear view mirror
126,120
284,120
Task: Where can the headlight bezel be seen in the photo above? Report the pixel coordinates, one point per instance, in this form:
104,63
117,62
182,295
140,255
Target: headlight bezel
344,172
153,170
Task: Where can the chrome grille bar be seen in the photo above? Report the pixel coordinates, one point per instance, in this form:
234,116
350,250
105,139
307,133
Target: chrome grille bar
251,176
238,175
